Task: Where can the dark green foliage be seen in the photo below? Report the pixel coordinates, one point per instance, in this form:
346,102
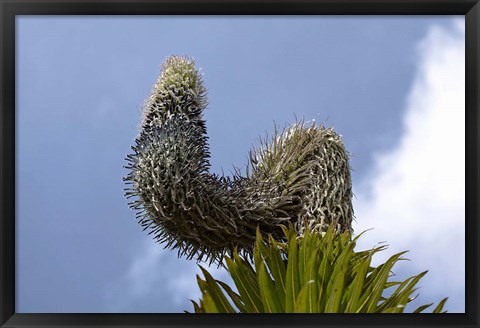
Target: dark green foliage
311,273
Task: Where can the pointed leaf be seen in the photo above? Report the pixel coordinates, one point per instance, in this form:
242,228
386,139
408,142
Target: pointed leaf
270,298
278,271
221,302
249,292
335,290
237,300
292,282
357,285
400,297
439,307
196,307
423,307
380,276
312,279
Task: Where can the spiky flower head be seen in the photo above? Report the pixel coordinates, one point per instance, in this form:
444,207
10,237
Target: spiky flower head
178,90
300,176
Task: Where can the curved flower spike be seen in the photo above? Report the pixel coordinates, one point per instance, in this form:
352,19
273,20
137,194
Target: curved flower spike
301,175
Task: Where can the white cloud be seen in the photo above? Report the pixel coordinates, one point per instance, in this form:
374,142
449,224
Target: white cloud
414,197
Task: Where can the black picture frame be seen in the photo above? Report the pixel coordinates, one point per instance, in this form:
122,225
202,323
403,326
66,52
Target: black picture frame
10,8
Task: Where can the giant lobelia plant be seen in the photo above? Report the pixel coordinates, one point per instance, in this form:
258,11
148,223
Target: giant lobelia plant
298,178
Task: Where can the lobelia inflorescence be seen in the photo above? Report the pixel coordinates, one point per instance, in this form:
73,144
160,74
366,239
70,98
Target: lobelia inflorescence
299,176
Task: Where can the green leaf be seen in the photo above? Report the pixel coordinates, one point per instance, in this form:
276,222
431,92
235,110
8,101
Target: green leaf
237,300
357,285
249,275
197,308
278,271
208,304
400,297
423,307
379,278
202,284
248,290
335,288
221,302
312,280
304,248
324,272
292,283
304,299
439,307
308,296
270,298
257,258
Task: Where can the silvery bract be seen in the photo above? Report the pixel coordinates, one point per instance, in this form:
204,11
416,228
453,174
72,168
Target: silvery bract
300,175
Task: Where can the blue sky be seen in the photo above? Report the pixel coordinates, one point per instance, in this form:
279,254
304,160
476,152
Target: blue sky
393,87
